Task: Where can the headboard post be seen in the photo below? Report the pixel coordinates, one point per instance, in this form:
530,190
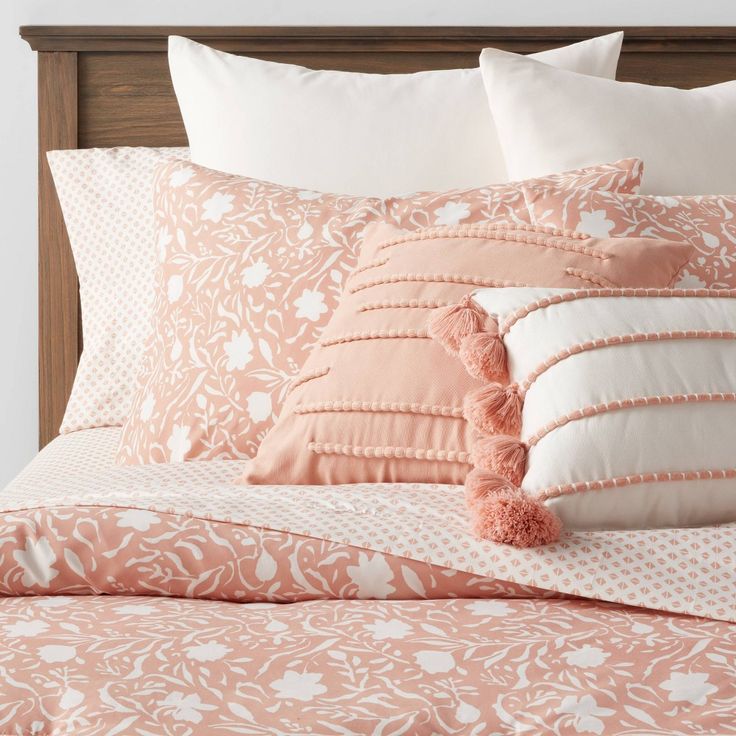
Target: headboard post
59,318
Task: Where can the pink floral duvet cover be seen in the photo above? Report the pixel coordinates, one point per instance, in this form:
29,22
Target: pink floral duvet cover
164,600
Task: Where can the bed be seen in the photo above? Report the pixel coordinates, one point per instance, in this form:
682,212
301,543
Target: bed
164,600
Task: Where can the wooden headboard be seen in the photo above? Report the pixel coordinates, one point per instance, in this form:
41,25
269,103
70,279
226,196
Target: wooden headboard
110,86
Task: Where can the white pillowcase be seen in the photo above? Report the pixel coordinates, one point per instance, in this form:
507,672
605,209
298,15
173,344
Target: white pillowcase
359,134
106,196
552,119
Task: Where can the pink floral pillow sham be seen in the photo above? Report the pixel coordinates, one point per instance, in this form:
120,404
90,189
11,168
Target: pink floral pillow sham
250,273
708,222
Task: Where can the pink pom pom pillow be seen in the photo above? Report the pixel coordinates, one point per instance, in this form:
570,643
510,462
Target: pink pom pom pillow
378,400
620,412
249,274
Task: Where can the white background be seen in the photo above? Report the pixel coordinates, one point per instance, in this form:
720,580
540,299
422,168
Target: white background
18,332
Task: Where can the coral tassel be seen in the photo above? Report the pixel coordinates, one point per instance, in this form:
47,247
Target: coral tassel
512,517
495,409
480,484
451,324
501,454
484,356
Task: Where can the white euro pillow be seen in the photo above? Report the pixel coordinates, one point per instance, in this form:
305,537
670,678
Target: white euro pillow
346,132
551,119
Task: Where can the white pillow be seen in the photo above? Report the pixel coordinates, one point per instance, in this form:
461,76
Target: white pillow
621,407
551,119
359,134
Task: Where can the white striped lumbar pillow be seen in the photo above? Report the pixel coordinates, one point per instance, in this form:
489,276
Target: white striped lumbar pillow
610,409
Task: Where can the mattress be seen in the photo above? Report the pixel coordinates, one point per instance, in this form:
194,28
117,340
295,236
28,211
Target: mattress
169,600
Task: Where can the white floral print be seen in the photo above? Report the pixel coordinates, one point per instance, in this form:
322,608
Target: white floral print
138,519
147,407
467,714
185,707
36,560
256,274
170,678
181,176
176,350
26,628
162,242
54,653
300,686
308,196
692,687
175,287
435,662
689,280
586,656
595,223
305,231
135,609
71,698
489,608
451,213
372,575
640,628
392,629
259,406
210,652
707,222
310,305
217,206
239,351
179,443
587,712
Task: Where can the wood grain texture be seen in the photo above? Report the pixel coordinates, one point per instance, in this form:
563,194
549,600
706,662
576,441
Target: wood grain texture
59,325
110,86
380,39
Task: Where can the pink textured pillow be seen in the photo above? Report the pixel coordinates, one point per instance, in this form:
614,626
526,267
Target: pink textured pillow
707,222
378,400
250,273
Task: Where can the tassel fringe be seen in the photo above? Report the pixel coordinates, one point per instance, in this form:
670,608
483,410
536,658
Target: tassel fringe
494,409
484,356
479,485
503,455
513,517
501,511
450,325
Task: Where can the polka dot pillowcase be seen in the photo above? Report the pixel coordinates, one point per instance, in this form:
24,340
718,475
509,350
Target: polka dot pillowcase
106,195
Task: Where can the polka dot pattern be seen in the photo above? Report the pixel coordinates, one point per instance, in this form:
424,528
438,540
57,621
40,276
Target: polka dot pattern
107,199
